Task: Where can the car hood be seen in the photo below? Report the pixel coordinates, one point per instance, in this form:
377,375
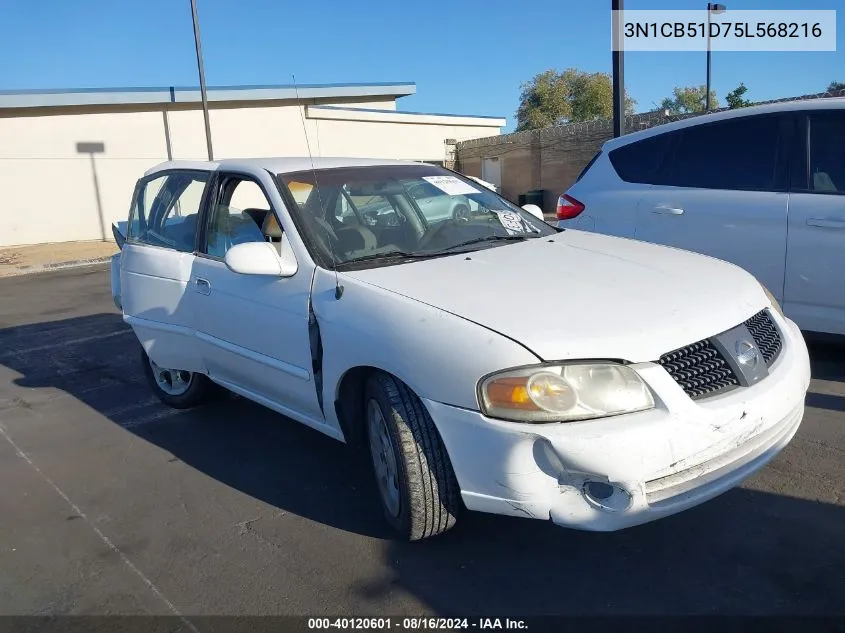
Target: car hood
583,295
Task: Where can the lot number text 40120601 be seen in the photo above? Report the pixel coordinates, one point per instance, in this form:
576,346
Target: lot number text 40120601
417,623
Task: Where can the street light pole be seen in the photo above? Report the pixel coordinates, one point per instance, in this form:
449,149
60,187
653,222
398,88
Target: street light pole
618,71
711,8
202,79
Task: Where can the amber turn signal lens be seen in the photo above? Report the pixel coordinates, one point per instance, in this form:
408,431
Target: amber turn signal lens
510,393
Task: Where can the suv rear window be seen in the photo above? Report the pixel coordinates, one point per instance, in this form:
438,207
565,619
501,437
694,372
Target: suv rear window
640,161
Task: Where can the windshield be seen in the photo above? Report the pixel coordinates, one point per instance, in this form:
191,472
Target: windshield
370,216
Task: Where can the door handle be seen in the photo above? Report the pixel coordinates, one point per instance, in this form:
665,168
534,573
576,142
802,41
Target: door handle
825,223
203,287
667,210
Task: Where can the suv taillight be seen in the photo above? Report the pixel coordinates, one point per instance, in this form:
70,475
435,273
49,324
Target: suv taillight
568,207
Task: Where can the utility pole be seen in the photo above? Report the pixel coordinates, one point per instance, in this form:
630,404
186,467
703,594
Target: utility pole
202,79
711,9
618,71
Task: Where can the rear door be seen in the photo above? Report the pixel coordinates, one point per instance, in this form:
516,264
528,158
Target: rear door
722,191
156,264
814,294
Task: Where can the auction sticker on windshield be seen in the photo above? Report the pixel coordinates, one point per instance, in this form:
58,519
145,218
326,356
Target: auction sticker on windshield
451,185
511,221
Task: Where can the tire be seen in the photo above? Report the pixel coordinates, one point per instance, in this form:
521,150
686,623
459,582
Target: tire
198,388
428,497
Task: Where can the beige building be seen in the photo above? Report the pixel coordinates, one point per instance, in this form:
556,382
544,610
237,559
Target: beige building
71,158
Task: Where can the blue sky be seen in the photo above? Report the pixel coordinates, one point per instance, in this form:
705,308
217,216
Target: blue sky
466,56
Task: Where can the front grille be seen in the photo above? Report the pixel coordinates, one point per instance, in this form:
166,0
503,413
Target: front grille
699,369
765,335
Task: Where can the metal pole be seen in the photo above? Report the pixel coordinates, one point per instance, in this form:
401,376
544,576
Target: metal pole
618,72
202,79
707,94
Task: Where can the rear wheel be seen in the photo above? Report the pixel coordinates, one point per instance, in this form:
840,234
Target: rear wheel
178,388
416,483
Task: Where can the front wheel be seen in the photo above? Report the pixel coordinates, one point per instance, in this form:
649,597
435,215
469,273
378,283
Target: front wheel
416,483
178,388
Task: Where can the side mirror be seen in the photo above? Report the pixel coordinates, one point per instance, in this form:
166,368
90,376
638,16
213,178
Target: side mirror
534,210
261,258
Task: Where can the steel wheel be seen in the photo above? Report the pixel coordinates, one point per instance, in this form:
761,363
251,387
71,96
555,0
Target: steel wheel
384,458
173,382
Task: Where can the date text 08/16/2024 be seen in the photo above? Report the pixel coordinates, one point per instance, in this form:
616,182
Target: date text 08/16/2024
416,623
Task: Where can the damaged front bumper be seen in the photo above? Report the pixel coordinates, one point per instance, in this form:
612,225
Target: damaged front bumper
618,472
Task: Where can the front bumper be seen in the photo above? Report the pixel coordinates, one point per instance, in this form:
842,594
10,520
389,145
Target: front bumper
617,472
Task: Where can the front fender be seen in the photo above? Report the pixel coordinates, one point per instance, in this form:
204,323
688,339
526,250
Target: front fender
440,356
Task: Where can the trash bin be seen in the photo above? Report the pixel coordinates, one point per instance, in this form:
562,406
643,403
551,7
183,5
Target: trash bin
535,196
521,199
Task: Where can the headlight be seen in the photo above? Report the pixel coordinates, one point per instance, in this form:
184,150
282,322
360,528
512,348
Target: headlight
564,393
774,301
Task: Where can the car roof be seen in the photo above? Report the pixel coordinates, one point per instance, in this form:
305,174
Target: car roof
827,103
277,165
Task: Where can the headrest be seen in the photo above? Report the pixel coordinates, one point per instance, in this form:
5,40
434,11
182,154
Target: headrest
271,227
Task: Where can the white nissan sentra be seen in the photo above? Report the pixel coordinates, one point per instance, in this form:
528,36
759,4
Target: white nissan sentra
487,360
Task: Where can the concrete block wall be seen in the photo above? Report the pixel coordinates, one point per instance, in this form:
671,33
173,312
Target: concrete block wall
552,158
549,159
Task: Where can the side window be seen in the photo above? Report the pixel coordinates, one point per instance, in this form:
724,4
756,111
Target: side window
739,154
240,213
638,162
827,152
166,210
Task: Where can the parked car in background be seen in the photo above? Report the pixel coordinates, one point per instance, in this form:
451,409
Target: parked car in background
762,187
657,379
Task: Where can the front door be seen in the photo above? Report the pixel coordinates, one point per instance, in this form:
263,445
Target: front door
814,294
723,193
253,329
156,264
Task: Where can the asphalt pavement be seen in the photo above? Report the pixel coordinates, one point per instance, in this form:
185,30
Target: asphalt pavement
112,503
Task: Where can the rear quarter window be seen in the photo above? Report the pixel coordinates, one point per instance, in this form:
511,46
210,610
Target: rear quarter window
640,162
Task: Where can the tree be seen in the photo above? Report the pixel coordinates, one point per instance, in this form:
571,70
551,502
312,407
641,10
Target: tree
836,86
553,97
688,99
734,97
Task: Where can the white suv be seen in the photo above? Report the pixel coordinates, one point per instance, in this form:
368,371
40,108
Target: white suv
761,187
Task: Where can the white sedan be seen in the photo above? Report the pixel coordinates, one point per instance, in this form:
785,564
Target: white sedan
640,382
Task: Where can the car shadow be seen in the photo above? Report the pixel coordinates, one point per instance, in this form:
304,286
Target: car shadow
827,358
746,552
96,359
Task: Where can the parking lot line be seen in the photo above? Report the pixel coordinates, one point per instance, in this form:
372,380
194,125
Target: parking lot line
109,543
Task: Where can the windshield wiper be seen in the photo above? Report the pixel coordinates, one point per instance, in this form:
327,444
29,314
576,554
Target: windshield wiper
390,255
488,238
